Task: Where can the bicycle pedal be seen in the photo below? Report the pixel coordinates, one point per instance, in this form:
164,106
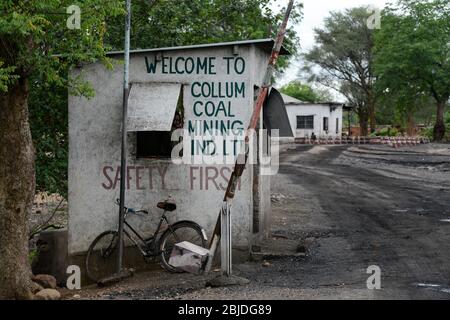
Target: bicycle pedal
148,255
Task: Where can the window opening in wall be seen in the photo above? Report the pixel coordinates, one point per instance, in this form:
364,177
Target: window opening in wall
305,122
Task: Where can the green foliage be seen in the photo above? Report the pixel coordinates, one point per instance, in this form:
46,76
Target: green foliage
387,132
412,57
412,47
49,128
447,118
6,77
427,132
306,92
394,109
35,37
32,256
382,133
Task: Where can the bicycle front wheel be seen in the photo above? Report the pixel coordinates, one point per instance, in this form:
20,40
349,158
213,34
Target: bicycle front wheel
179,232
102,256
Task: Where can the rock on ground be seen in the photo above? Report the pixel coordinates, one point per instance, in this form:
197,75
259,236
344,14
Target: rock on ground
45,280
48,294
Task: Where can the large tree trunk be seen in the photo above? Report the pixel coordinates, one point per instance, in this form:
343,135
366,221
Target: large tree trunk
439,127
373,124
411,125
363,123
17,183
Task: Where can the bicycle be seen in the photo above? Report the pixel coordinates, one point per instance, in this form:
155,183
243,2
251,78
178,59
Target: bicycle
102,253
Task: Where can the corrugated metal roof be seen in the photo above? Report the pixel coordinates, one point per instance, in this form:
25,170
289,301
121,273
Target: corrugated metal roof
288,100
264,44
335,104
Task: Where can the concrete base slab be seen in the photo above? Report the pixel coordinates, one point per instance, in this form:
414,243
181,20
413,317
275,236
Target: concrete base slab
226,281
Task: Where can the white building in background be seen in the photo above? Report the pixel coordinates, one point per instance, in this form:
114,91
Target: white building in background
306,118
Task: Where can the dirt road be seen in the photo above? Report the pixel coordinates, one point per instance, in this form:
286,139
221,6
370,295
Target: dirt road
370,206
349,208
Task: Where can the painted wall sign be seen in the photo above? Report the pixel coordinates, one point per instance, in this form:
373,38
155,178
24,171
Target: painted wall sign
213,102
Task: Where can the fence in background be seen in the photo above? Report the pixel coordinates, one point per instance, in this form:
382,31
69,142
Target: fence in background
394,142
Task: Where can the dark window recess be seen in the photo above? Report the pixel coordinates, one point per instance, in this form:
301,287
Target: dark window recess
305,122
337,125
152,144
325,124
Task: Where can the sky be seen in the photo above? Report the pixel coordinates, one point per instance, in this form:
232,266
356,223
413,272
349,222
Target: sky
314,12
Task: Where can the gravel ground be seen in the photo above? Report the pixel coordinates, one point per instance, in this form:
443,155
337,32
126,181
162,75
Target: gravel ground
343,208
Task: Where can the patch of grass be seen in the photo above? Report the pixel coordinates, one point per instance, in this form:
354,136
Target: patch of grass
32,255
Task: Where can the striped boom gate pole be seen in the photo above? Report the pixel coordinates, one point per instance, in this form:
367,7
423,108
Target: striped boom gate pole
241,161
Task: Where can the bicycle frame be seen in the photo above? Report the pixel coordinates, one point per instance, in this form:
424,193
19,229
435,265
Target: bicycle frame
151,239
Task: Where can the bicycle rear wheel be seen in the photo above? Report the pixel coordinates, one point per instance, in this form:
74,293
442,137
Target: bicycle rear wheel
102,256
179,232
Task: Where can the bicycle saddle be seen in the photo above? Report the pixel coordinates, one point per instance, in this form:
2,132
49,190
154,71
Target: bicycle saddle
167,205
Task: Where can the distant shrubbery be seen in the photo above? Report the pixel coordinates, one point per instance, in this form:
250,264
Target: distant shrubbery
428,132
386,132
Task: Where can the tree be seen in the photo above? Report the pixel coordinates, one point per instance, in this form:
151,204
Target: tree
343,53
35,42
412,55
305,92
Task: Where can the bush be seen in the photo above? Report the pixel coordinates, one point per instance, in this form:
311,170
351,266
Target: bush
427,133
383,132
387,132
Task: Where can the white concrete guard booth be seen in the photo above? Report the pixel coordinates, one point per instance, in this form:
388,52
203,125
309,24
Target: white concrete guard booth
193,87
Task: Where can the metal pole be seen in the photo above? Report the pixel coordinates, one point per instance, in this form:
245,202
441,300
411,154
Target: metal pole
225,248
123,156
242,158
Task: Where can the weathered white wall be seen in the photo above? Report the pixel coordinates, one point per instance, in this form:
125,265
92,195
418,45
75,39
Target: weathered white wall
263,181
94,153
319,112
